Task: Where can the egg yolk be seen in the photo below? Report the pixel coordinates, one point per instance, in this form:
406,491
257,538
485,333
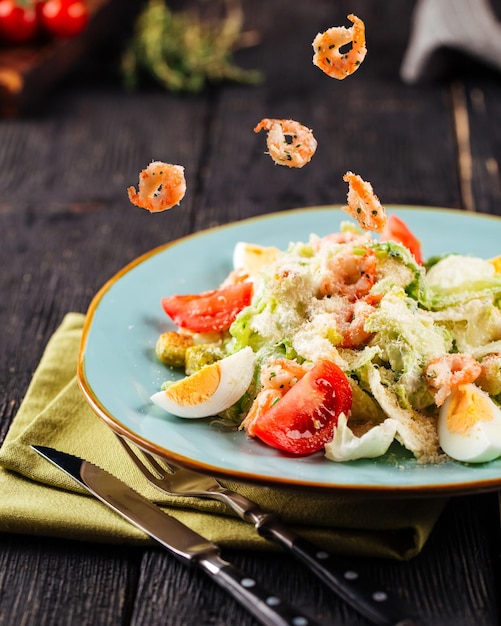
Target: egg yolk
466,408
196,388
496,262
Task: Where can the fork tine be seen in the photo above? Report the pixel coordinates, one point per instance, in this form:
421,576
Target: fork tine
141,465
155,463
171,478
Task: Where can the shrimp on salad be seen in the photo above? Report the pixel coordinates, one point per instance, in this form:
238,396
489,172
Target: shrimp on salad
449,371
363,204
289,142
350,275
277,376
352,323
330,54
161,186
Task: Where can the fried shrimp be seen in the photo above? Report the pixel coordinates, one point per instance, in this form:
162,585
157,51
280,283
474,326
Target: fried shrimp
349,274
278,376
331,55
363,204
352,327
289,142
281,374
449,371
161,186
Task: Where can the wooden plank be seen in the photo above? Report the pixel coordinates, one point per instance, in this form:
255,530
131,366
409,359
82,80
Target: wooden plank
47,581
483,102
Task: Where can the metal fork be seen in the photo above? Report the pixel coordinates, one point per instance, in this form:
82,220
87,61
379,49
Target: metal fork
375,604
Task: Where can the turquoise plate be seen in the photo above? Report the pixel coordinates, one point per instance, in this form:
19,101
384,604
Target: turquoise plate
118,370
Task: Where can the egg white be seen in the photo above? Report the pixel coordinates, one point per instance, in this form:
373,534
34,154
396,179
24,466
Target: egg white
479,443
235,372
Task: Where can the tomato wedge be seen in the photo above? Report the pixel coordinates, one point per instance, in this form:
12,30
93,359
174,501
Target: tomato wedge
209,311
397,230
302,421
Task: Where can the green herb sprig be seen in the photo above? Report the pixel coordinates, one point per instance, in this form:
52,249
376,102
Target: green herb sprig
184,52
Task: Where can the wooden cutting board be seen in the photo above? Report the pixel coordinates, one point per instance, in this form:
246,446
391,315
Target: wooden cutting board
28,72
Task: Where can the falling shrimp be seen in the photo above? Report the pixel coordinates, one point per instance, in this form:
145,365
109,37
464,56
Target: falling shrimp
330,56
363,204
161,186
449,371
289,142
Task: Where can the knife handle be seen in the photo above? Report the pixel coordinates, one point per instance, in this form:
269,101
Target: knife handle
267,607
339,575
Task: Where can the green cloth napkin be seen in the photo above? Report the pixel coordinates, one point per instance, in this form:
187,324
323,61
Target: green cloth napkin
37,498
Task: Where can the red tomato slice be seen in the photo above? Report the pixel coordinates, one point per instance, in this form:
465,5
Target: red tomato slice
301,422
208,311
397,230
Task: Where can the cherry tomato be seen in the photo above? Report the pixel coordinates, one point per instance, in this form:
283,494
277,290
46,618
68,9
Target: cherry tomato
211,310
63,18
302,421
396,230
18,21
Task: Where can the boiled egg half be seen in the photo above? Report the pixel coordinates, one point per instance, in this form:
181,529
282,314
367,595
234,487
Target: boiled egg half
210,390
469,425
251,257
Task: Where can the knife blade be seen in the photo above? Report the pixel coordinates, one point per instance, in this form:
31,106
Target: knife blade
184,543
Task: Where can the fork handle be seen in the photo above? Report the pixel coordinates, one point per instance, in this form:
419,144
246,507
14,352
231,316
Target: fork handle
268,608
340,575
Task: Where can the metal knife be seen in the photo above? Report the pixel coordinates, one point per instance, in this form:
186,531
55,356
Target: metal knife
187,545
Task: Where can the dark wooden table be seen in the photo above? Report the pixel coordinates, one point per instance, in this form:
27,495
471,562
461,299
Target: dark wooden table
66,226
